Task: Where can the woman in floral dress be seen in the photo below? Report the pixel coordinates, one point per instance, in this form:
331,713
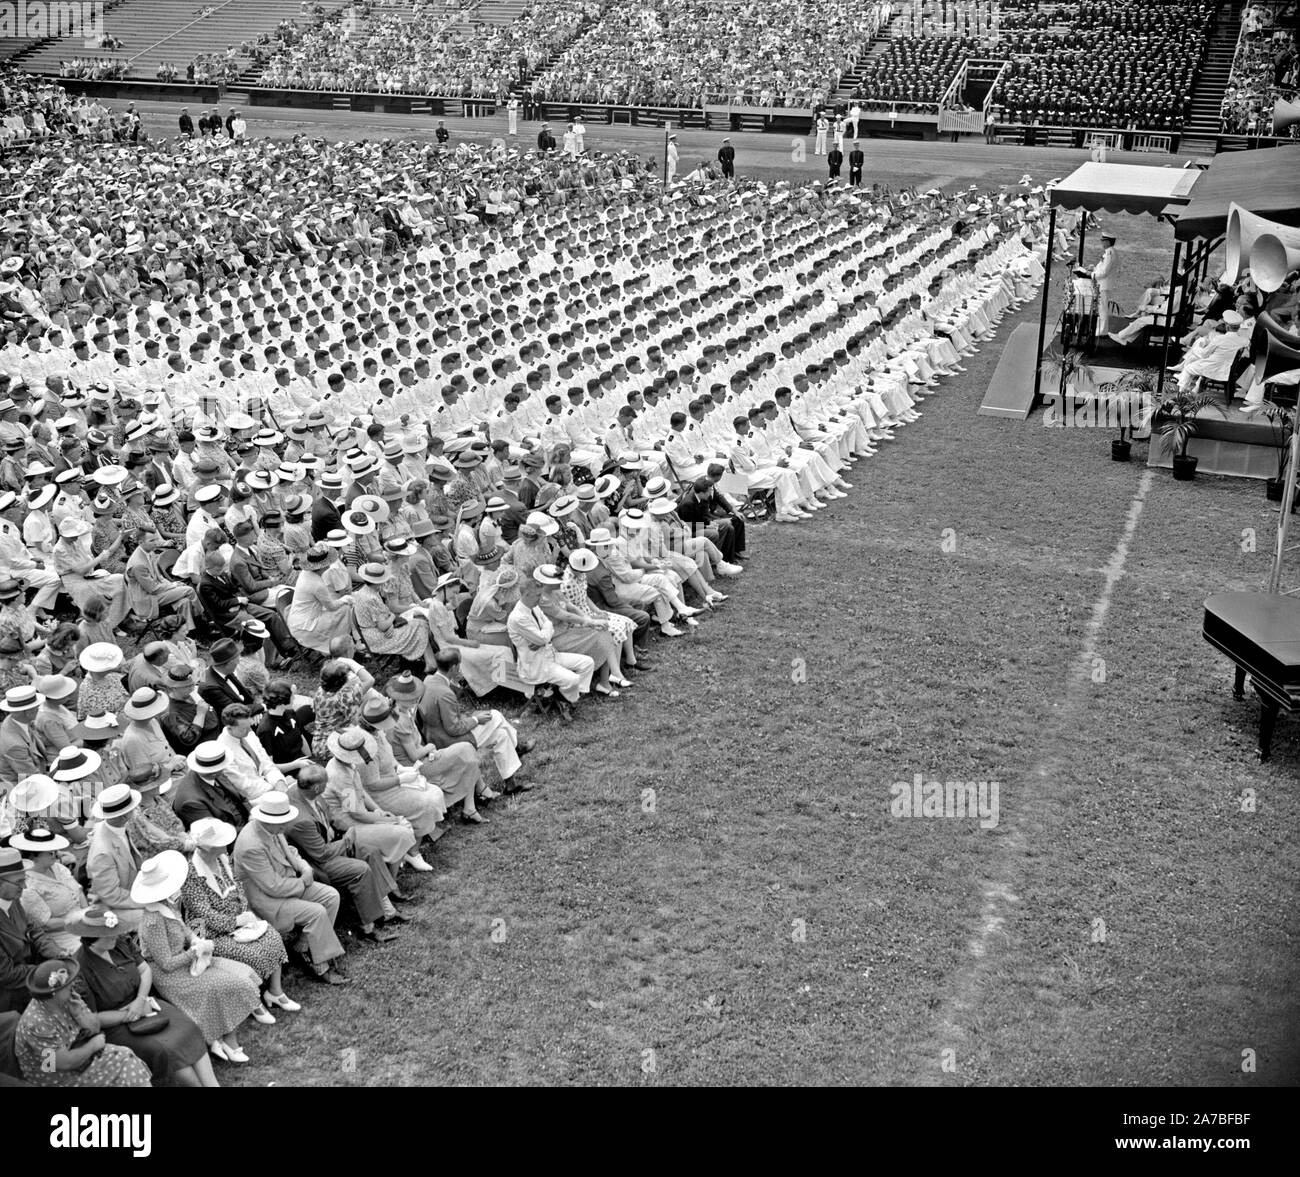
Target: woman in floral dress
102,689
224,992
52,896
52,1022
573,589
214,905
383,629
337,705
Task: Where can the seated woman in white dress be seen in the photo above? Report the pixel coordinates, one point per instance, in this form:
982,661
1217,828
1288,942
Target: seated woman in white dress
318,613
537,660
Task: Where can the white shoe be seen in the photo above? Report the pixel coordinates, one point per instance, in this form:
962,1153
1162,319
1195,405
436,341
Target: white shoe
841,485
263,1015
688,611
416,862
716,598
669,630
789,517
725,569
282,1001
691,621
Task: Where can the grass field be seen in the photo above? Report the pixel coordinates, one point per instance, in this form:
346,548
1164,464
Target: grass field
709,888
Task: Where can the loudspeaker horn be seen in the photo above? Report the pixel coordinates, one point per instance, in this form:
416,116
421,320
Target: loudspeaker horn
1285,114
1244,229
1274,360
1273,256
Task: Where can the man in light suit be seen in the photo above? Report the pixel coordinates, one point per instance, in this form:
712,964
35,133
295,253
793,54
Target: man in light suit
445,722
111,862
22,750
337,857
149,593
282,889
23,945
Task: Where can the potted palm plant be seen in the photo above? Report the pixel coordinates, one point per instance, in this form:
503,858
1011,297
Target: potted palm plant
1175,418
1280,420
1126,399
1070,369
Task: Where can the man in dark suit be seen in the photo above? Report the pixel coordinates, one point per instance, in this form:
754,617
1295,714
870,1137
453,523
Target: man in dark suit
727,158
206,791
229,608
325,515
359,870
545,140
856,160
602,590
220,685
444,722
186,123
708,513
834,161
23,945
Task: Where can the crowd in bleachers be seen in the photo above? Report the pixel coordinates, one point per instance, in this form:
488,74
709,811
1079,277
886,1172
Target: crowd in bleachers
1125,64
308,448
913,73
33,109
666,52
408,51
94,68
1265,68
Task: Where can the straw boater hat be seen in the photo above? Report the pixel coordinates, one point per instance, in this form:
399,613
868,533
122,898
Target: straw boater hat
146,703
159,877
21,699
582,560
116,801
273,808
600,537
374,573
208,759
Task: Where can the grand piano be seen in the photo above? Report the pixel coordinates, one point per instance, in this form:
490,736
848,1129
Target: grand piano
1260,632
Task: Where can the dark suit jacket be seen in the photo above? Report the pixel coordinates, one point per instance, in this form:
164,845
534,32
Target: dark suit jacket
186,124
316,840
219,692
444,720
22,947
856,157
219,596
727,154
325,518
193,799
251,575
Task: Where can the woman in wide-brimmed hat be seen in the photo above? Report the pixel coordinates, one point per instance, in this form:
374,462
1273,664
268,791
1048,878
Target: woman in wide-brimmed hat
319,612
146,755
496,596
215,906
75,563
102,689
117,985
383,628
217,993
577,633
58,1040
52,894
573,590
352,761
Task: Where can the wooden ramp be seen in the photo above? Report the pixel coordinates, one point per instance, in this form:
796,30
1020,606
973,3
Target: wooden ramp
1011,391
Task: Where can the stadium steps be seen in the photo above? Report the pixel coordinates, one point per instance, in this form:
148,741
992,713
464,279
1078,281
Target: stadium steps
853,75
1202,128
497,12
157,31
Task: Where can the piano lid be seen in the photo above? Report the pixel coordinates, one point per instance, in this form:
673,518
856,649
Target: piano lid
1267,621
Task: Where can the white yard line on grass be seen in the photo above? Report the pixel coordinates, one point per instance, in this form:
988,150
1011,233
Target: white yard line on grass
960,1010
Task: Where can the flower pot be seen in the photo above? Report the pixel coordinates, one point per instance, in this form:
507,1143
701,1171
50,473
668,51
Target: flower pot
1184,467
1273,488
1120,451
